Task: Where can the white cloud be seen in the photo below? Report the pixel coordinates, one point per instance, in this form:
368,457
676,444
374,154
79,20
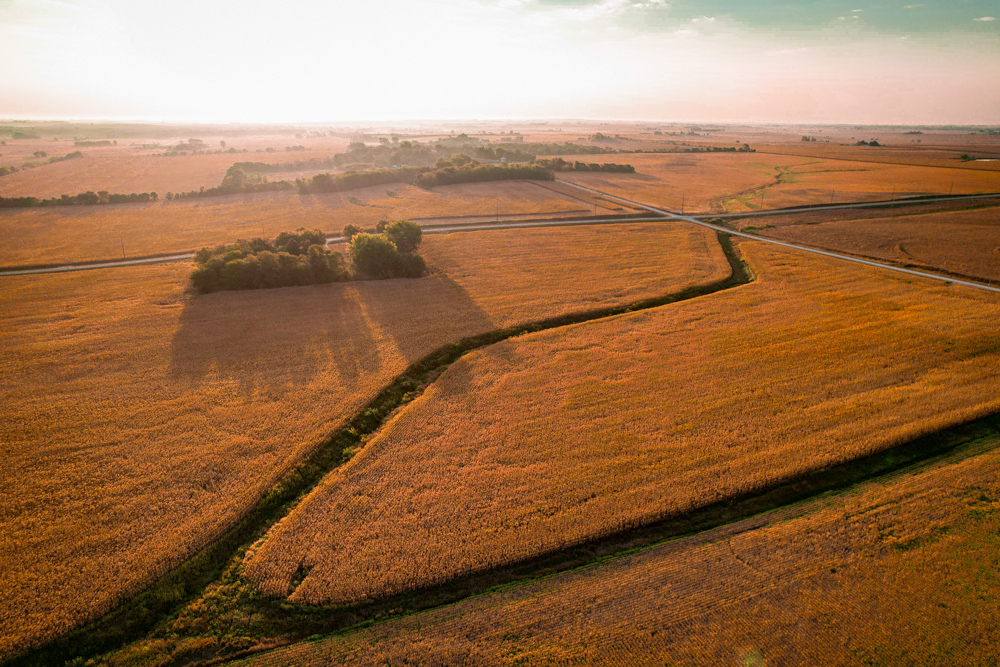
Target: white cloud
914,6
857,11
986,18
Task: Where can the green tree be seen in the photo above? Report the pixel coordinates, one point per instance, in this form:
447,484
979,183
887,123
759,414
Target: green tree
405,235
349,231
373,256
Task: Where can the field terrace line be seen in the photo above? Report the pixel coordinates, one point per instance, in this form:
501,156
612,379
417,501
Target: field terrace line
793,246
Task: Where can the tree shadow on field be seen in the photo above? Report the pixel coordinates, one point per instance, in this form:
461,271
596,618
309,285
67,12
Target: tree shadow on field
418,316
272,341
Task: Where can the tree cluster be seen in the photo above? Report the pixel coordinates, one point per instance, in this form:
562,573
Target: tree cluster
389,253
235,181
357,179
94,143
477,173
559,164
298,258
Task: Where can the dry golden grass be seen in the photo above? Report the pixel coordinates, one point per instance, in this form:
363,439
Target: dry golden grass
555,438
81,233
964,242
699,180
724,182
138,423
899,572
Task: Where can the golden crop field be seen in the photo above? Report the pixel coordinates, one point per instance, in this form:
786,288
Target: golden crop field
124,169
80,233
142,422
896,572
965,242
732,183
548,440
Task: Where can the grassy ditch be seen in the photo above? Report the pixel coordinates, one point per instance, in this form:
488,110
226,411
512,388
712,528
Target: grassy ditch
137,617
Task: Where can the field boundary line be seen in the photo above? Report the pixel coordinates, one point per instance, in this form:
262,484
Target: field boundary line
795,246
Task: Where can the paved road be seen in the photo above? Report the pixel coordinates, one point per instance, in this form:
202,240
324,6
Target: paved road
437,229
695,219
815,251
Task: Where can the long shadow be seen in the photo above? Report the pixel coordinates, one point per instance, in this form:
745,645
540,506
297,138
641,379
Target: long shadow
271,340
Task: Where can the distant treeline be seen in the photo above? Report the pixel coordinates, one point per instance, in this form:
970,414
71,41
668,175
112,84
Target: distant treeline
416,154
559,164
83,199
302,258
478,173
357,179
95,143
469,172
745,148
236,181
28,165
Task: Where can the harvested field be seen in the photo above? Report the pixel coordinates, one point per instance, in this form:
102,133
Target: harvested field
124,169
80,233
141,422
548,440
732,183
958,242
901,571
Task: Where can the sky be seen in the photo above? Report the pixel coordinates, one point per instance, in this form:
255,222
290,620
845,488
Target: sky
815,61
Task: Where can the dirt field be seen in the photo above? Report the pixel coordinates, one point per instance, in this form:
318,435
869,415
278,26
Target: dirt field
896,572
81,233
548,440
141,422
959,242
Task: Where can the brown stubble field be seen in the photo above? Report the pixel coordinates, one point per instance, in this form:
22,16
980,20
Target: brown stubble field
139,422
126,168
899,571
548,440
733,183
59,234
962,242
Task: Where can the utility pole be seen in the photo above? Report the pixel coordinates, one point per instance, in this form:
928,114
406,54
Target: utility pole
762,200
122,241
951,189
498,210
682,203
893,198
832,192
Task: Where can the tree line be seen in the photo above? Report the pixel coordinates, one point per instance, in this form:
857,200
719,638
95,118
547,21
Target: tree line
40,154
559,164
302,258
88,198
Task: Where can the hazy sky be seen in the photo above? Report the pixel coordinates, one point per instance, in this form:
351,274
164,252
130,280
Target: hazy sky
936,61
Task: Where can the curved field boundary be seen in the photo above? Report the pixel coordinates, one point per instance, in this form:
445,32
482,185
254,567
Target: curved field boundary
794,246
135,618
292,623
